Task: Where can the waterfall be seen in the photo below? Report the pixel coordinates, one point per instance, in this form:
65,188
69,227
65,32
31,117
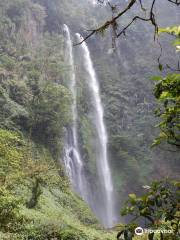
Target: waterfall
101,199
72,159
107,214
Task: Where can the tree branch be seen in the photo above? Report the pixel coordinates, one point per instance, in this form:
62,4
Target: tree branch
177,2
113,21
108,23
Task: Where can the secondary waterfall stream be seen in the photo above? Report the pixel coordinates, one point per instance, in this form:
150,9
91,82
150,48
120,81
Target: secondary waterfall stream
104,206
72,158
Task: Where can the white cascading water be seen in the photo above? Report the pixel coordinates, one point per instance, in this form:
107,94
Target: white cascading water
104,172
104,208
96,2
72,159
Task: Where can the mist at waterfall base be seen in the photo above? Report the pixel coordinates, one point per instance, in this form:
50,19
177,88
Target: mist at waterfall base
101,201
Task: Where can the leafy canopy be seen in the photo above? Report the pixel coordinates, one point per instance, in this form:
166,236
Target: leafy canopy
158,208
167,92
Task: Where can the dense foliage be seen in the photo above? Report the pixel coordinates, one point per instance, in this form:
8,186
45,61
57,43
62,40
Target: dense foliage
159,209
31,99
167,91
35,198
160,205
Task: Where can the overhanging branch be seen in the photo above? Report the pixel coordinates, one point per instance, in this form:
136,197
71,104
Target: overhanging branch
113,21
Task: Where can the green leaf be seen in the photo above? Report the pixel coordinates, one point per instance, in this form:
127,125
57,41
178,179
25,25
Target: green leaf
156,142
164,95
156,78
132,195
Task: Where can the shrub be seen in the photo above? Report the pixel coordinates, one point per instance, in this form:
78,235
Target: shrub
73,234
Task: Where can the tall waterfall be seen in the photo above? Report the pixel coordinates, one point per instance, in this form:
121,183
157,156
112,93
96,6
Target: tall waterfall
72,158
107,213
101,199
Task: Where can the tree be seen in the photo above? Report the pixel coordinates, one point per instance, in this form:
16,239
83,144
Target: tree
9,209
49,114
19,168
11,157
167,92
146,13
158,207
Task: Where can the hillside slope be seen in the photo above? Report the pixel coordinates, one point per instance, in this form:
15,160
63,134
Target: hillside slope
36,200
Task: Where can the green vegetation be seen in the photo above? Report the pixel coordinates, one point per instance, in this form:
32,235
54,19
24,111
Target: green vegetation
159,207
31,99
167,91
35,197
36,201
